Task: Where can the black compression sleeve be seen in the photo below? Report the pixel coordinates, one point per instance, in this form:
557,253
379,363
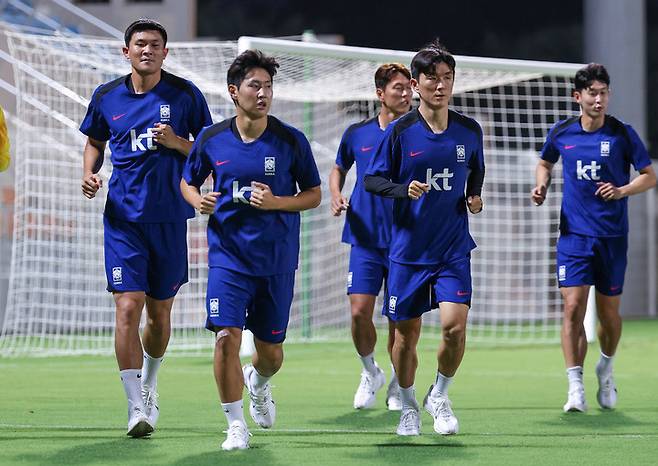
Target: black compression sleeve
385,188
475,182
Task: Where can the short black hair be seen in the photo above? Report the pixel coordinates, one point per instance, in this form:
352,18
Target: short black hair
592,72
247,61
385,73
428,57
144,24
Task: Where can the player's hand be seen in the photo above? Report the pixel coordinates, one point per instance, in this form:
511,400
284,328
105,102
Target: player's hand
339,204
91,183
262,197
608,191
538,195
474,204
164,135
208,203
416,189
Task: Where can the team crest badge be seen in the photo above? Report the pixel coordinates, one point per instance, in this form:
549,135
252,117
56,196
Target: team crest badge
392,302
214,306
349,279
562,273
461,153
165,112
270,165
605,148
117,276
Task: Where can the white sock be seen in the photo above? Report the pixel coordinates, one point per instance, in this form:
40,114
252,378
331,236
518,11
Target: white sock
369,363
605,364
258,381
233,412
575,375
408,398
132,384
441,385
150,371
394,376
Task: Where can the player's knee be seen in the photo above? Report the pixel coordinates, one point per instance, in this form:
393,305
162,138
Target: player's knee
454,335
361,315
227,344
127,315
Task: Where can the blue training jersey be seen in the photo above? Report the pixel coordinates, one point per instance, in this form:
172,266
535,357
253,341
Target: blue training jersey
434,229
589,158
368,218
241,237
145,182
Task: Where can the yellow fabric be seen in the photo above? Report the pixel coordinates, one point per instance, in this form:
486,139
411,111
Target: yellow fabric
4,143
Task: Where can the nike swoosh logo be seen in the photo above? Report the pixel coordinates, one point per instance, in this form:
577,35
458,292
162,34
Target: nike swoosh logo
463,293
218,163
413,154
366,149
614,288
116,117
569,147
277,332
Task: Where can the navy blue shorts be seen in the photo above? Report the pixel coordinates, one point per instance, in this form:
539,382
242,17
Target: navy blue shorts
148,257
259,304
368,270
413,290
588,260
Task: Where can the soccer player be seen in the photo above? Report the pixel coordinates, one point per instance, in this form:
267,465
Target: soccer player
431,162
597,152
264,174
147,116
367,229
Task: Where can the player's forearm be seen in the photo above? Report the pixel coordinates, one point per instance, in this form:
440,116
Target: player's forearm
191,194
336,181
543,174
643,182
91,157
184,146
386,188
308,199
475,182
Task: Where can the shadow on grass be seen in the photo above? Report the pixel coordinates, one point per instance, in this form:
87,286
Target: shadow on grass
362,419
597,421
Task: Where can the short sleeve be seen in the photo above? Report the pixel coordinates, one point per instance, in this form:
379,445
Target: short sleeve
304,170
197,167
345,155
639,156
94,124
549,152
200,116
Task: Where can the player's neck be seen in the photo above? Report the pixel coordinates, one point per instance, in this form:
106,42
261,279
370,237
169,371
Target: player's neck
386,116
590,124
142,83
250,129
436,118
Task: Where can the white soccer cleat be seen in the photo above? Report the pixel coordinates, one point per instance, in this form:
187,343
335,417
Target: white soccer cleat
607,393
365,395
151,406
409,422
575,400
261,404
440,408
237,437
138,423
393,401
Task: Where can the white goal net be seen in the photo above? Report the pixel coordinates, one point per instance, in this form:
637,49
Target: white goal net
57,301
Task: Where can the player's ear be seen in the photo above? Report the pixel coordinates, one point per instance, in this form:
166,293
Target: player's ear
414,85
380,94
166,51
233,91
124,50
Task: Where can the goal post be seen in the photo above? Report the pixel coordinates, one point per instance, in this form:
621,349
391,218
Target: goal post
57,302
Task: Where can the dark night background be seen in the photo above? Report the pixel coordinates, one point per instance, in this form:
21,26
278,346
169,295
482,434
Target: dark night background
523,29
